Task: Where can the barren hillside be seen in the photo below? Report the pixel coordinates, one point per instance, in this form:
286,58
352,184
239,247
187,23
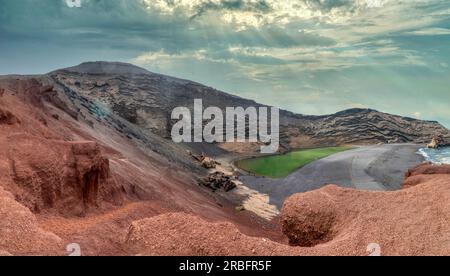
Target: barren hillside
64,180
146,100
85,158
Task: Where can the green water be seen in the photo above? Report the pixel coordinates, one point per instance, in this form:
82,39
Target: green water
279,166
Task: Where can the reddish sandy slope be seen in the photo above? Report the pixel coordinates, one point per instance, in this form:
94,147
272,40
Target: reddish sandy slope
63,181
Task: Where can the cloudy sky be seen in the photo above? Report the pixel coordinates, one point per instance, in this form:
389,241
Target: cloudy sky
307,56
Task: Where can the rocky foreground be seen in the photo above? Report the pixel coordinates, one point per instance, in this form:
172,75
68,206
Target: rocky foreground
329,221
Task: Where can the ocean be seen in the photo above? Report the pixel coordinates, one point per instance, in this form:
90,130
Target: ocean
439,156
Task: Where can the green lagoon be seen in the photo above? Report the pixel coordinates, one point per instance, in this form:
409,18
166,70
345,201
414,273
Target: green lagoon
279,166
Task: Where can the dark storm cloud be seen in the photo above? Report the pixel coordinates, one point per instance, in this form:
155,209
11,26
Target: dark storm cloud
125,24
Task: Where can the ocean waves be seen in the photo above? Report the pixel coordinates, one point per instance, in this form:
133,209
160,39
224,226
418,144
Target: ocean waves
436,156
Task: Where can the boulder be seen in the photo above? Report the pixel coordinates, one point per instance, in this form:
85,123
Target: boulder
207,162
434,144
219,180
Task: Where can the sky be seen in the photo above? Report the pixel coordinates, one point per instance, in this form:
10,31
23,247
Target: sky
307,56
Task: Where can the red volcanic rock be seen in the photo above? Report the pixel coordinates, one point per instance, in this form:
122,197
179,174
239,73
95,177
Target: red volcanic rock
424,173
20,233
2,92
6,117
428,169
70,177
329,221
415,180
179,234
406,222
316,222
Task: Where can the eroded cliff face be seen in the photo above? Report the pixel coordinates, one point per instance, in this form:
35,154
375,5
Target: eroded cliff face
69,177
43,170
64,179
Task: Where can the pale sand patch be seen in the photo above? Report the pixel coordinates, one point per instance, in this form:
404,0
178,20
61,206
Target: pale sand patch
255,202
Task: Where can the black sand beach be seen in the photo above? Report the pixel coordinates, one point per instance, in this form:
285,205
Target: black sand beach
376,168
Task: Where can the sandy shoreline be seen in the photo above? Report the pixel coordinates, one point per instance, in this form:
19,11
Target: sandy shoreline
376,168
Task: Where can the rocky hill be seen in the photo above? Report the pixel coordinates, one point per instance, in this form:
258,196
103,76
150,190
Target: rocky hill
145,100
366,126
